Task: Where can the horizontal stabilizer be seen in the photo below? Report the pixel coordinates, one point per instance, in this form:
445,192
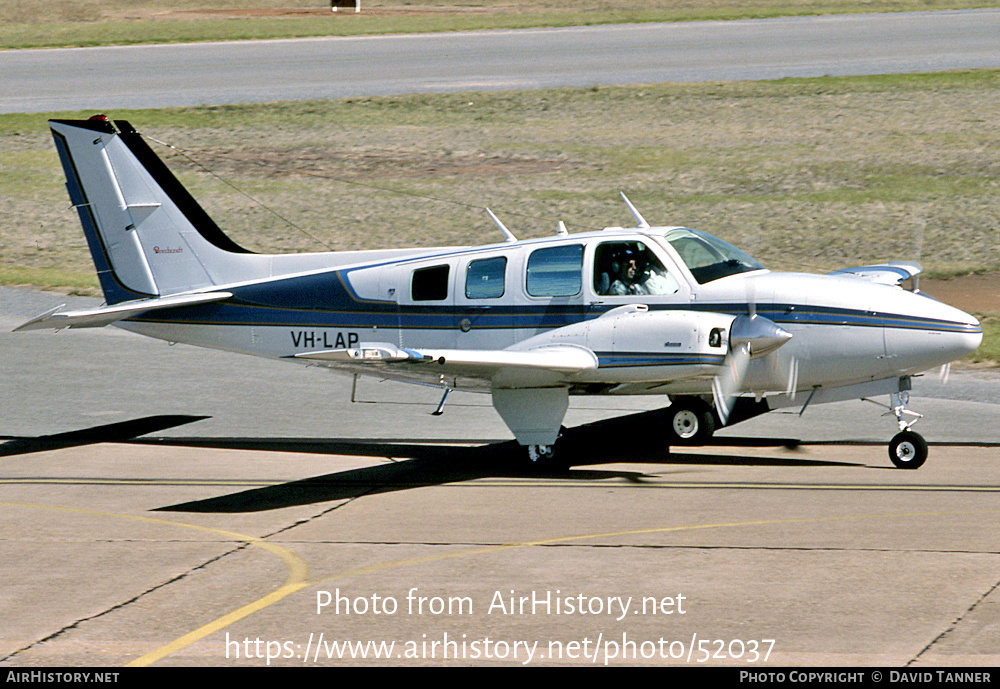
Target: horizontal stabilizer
541,366
891,273
106,315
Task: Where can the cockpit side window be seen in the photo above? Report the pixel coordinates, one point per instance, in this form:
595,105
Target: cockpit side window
622,268
555,271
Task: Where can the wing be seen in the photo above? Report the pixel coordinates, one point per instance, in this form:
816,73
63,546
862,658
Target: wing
106,315
545,366
891,273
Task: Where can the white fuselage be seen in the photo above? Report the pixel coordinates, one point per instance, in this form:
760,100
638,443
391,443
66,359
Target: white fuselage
845,330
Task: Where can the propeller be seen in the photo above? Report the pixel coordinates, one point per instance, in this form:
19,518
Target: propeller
944,373
727,382
793,378
750,337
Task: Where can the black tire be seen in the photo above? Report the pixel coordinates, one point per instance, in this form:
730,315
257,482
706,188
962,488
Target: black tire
690,421
908,450
544,459
548,458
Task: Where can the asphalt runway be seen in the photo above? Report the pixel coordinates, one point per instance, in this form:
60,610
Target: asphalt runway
175,506
259,71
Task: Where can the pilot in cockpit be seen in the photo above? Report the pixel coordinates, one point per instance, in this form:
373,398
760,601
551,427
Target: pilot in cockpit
635,271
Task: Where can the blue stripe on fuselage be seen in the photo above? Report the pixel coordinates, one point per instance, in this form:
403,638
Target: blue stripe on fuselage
325,300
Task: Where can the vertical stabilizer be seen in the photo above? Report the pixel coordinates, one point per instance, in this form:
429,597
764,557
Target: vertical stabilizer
146,234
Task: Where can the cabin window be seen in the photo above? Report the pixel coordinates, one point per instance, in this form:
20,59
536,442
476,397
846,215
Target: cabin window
555,271
623,268
484,278
430,284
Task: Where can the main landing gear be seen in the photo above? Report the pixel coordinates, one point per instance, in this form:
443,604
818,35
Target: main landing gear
545,459
548,458
690,421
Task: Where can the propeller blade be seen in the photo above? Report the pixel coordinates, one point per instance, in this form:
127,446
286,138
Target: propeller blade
945,373
727,384
793,378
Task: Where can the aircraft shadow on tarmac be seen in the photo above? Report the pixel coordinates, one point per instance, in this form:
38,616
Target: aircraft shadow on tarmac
602,442
634,438
120,432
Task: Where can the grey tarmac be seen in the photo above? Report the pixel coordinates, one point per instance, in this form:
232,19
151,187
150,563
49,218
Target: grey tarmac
112,78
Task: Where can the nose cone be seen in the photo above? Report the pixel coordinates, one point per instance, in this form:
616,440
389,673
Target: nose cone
931,334
962,332
968,336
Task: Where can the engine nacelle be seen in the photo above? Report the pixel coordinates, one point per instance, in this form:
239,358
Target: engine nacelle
634,343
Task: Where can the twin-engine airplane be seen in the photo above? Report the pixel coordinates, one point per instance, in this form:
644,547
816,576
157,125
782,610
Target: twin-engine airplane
665,311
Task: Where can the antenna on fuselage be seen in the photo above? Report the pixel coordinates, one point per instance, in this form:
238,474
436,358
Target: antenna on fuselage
508,235
562,231
639,220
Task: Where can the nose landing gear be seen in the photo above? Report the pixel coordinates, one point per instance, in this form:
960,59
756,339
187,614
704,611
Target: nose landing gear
907,450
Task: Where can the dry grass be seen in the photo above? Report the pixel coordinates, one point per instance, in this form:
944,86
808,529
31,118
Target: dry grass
46,11
872,169
35,23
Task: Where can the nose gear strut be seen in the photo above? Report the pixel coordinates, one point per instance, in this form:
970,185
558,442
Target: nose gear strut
907,449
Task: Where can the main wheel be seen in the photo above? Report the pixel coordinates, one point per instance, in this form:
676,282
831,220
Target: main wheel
548,458
691,421
539,454
908,450
544,458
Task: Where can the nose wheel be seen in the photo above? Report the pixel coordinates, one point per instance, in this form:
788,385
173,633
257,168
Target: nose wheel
908,450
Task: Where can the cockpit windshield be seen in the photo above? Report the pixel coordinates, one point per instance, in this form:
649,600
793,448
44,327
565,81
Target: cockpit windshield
707,257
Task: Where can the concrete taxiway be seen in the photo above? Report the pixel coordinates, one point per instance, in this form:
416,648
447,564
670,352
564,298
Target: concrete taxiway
171,506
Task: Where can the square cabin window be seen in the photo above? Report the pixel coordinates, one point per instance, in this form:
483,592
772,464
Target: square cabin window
555,271
430,284
484,278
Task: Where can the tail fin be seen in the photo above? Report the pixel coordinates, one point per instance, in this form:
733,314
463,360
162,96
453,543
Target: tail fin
147,235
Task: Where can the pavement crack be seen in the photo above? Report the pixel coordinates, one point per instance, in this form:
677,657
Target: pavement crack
76,624
305,520
954,625
123,604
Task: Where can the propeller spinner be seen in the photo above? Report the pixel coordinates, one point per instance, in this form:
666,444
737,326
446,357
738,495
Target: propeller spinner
758,334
